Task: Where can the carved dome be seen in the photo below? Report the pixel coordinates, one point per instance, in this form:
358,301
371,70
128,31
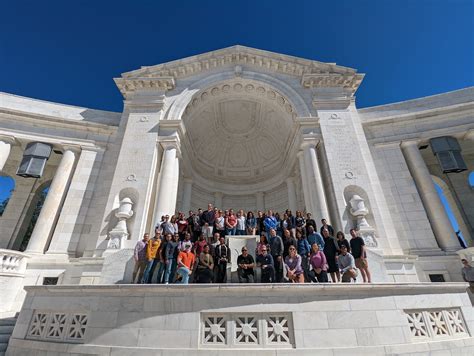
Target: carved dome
238,131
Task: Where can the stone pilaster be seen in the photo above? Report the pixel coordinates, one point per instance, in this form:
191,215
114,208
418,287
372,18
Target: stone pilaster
290,184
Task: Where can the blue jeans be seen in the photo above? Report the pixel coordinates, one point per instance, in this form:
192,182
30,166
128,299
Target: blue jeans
240,232
184,272
230,231
170,271
149,268
161,273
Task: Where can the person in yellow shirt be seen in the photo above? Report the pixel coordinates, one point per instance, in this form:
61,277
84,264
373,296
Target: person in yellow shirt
152,250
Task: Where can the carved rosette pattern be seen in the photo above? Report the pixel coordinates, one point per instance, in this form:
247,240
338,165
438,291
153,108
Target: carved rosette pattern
434,324
277,330
70,327
247,330
215,330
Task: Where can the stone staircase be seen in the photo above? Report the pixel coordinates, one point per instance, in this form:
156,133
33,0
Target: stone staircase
6,330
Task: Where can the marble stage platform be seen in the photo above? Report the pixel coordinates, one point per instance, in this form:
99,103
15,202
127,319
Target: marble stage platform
258,319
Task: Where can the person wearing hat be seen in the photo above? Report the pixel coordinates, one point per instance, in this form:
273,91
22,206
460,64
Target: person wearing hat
186,261
346,263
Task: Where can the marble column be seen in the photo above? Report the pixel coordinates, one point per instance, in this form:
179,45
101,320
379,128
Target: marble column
290,184
260,201
218,196
6,143
187,190
304,180
167,187
52,204
315,184
434,208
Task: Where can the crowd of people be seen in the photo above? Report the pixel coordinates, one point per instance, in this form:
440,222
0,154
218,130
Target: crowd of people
291,248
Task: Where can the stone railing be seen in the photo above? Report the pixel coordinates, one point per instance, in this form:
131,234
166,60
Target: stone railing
12,263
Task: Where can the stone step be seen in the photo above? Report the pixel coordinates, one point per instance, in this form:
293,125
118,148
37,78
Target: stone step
6,329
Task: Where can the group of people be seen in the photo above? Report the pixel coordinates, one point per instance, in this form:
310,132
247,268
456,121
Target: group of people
290,249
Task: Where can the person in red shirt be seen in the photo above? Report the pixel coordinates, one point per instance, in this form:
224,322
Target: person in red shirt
186,260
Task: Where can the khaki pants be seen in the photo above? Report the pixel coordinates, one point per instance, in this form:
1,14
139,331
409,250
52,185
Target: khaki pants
138,270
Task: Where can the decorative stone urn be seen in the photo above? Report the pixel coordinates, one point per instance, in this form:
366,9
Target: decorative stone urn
360,211
119,233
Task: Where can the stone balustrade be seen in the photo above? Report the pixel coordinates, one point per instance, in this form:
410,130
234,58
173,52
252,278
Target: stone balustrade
12,263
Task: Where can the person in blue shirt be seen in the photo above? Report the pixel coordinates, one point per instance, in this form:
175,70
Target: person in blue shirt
304,250
315,238
270,222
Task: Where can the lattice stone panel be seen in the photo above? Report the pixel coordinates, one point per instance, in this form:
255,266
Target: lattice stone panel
436,323
57,326
241,330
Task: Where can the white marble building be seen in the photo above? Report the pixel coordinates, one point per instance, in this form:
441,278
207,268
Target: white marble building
242,128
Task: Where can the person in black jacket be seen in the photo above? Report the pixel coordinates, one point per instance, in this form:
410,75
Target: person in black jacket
276,250
222,257
331,249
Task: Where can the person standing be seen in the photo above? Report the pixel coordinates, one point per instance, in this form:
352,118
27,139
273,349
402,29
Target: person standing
304,249
317,260
270,222
222,257
315,238
310,222
152,248
208,219
240,227
196,226
288,241
265,261
358,252
162,255
246,264
276,249
139,255
468,274
186,260
331,250
260,223
171,255
347,265
341,240
220,223
182,225
325,225
251,224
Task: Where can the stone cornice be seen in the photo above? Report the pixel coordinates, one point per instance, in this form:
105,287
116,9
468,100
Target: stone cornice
128,86
239,55
332,80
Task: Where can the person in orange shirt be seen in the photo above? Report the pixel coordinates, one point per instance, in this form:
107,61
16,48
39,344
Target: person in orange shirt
152,248
186,260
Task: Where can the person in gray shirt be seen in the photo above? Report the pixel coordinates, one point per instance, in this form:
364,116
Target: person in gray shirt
347,266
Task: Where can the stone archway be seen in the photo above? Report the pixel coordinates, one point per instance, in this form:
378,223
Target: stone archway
241,141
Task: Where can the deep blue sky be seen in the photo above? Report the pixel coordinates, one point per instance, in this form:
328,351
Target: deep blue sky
69,51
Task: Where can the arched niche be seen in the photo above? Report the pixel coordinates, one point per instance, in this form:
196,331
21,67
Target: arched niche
350,221
452,209
134,196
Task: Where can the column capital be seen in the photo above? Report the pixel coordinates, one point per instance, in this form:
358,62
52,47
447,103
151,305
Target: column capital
290,180
218,194
69,147
409,143
170,142
9,139
188,180
260,194
309,142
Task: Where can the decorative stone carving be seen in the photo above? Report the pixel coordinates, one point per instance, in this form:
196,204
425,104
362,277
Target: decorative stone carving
128,86
360,211
436,324
243,330
57,326
214,330
119,233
